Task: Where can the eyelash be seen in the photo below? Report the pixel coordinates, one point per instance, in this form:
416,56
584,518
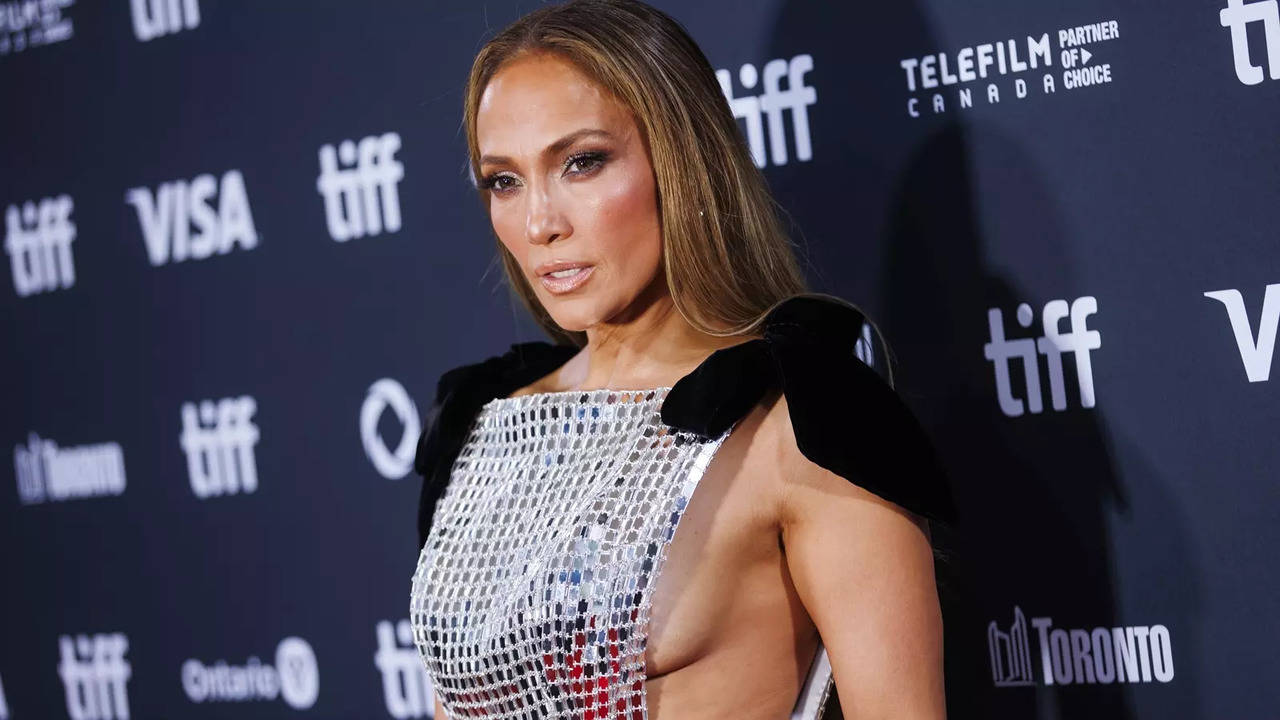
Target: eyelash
597,158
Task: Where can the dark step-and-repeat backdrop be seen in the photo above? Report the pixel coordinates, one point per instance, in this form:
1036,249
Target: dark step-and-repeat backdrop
242,244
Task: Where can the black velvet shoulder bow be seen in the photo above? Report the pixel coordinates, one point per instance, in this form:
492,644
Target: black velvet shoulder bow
845,417
460,393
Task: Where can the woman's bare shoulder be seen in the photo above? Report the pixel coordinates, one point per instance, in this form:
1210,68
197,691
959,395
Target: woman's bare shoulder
792,479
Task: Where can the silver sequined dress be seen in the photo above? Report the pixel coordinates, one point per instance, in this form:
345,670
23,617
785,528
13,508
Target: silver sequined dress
531,597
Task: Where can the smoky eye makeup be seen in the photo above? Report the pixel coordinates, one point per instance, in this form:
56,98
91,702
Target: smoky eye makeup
587,161
490,182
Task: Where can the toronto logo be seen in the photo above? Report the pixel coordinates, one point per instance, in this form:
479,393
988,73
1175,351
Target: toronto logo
1078,656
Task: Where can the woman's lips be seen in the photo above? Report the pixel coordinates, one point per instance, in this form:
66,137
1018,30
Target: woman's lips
569,279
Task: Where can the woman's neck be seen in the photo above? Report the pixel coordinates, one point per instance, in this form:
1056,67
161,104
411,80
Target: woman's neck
651,346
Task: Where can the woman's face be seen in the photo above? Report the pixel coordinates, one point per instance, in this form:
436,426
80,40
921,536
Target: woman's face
571,189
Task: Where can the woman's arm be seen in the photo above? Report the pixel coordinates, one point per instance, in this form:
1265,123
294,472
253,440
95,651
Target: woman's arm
439,712
863,568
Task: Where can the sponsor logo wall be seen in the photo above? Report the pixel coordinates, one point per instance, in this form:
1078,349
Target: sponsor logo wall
358,181
29,24
1256,347
294,677
48,473
1029,60
1078,656
155,18
243,247
218,438
406,687
95,675
1053,345
1237,17
184,220
38,236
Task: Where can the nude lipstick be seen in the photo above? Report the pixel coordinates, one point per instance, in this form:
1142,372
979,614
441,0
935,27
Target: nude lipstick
563,277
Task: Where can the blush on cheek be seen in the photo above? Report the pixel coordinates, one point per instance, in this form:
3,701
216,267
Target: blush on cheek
626,209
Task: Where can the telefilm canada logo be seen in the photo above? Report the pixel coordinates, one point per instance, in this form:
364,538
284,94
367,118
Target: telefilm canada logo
295,678
1078,656
406,686
761,106
33,23
1011,69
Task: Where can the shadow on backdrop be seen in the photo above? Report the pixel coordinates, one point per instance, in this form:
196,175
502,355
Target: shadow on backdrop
1035,493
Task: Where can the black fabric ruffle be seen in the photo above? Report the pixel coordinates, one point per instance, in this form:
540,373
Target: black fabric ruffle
845,417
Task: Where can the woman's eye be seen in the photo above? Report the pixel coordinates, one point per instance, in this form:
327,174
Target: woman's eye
580,164
585,162
495,183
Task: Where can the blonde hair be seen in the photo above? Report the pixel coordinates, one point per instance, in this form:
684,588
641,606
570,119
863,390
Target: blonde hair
726,257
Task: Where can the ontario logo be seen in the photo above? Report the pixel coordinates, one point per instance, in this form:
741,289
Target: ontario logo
1078,656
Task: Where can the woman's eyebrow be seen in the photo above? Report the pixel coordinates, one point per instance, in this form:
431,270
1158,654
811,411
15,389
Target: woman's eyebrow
554,147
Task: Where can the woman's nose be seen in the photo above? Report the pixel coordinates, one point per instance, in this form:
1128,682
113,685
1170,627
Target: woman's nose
545,221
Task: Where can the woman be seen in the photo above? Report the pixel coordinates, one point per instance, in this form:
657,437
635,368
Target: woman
551,580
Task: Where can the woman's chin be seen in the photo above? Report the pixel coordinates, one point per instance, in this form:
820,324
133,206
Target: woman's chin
570,320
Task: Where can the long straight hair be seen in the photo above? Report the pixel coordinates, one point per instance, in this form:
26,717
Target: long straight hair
726,257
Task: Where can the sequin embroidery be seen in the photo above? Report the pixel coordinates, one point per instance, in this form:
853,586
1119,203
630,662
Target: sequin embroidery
531,597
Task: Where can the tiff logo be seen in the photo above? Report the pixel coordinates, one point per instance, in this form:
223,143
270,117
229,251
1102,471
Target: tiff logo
218,438
361,197
94,674
1256,353
1078,342
1237,15
771,103
153,18
406,687
38,240
1010,653
169,215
